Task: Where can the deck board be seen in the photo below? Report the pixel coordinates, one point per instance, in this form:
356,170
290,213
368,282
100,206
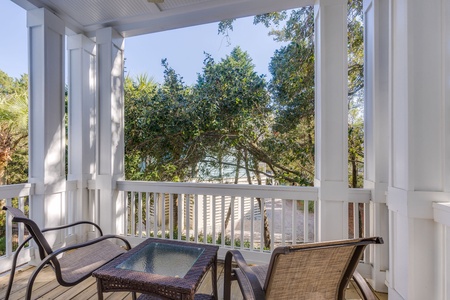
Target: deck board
46,287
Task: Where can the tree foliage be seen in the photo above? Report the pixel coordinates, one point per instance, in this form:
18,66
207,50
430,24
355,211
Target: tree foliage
13,129
177,132
233,103
157,131
292,90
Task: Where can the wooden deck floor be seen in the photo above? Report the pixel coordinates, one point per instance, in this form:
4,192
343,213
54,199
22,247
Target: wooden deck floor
46,287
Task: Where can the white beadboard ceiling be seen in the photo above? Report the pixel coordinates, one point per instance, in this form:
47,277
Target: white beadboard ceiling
135,17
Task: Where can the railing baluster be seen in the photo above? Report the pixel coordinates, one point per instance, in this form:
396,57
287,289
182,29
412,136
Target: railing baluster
293,222
283,222
140,214
355,220
305,221
187,198
368,253
316,218
252,228
97,207
222,227
20,226
272,225
205,218
366,219
8,230
133,214
213,218
261,223
147,214
125,209
180,212
195,216
242,218
163,217
233,240
171,216
156,200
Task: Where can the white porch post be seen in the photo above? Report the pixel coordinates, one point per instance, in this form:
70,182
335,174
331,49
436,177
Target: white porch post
110,120
376,129
46,117
419,153
331,118
82,120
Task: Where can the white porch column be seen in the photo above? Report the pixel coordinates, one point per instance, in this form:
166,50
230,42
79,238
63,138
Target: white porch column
82,120
46,117
419,152
376,129
110,121
331,118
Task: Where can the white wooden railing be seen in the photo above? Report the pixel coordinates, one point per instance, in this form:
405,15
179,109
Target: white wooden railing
12,235
198,212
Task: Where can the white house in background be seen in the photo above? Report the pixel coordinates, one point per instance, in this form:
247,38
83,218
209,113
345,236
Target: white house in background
407,94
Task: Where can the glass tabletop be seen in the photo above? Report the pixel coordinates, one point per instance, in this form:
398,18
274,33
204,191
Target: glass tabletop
163,259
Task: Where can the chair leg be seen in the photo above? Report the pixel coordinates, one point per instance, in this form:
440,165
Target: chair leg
13,267
214,279
32,279
227,277
363,286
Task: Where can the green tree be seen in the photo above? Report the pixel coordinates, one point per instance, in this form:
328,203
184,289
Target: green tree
232,107
139,94
13,137
355,95
235,116
160,129
176,133
292,90
13,128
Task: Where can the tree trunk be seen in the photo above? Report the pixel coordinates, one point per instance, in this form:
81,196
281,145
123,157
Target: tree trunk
263,211
236,181
354,171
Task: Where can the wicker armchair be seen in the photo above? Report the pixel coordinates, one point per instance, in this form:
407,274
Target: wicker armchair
72,264
305,271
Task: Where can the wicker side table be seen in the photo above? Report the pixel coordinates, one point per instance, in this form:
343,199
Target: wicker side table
164,269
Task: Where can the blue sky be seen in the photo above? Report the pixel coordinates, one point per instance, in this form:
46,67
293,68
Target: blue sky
183,48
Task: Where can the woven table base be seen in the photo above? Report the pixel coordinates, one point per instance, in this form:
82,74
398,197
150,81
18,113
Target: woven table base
197,297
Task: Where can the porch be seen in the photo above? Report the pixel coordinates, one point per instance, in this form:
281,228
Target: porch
406,196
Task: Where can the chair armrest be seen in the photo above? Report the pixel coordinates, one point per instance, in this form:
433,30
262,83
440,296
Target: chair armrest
90,242
258,292
75,224
363,286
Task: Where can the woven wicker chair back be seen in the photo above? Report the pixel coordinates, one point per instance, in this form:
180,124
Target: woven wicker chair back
309,274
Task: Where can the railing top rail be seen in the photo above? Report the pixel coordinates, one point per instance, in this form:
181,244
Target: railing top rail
245,190
16,190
